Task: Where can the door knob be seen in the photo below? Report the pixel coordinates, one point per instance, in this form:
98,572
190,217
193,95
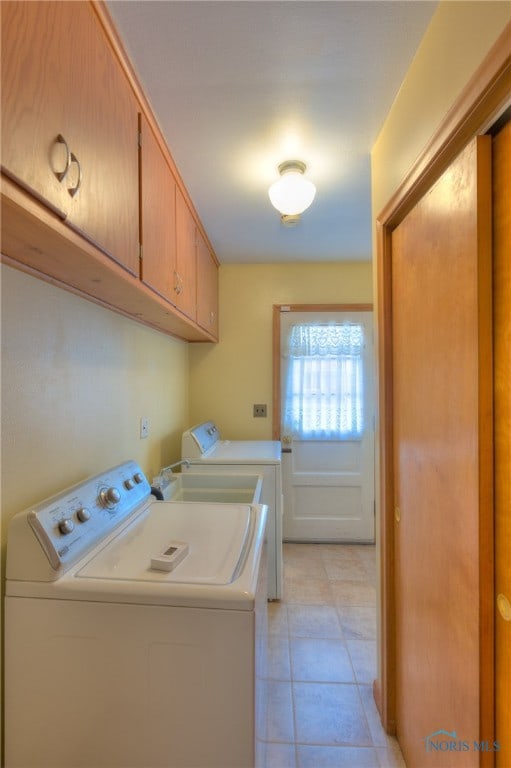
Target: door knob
504,607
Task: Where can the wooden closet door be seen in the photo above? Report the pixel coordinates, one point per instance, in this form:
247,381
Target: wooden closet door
441,305
502,347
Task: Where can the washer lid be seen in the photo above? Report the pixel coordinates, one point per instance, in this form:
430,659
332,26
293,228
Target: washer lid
218,538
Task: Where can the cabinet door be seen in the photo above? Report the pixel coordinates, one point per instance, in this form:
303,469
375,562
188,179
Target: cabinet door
37,91
105,142
185,291
60,78
207,288
158,216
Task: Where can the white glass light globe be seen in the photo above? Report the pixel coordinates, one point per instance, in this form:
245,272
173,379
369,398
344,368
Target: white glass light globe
292,193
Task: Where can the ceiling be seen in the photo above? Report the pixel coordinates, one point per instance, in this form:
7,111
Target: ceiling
241,86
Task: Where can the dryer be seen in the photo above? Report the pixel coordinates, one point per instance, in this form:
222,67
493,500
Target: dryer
202,449
135,630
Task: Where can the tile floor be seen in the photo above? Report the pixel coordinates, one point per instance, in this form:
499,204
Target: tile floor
322,663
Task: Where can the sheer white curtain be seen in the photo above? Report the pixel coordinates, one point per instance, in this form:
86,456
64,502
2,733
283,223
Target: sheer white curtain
324,388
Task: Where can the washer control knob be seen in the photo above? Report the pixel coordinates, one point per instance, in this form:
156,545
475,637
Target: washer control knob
83,515
138,477
66,526
129,484
109,497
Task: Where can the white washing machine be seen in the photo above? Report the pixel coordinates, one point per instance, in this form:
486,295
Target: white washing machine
203,449
134,630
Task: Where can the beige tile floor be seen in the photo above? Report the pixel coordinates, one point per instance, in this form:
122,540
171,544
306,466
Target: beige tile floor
322,663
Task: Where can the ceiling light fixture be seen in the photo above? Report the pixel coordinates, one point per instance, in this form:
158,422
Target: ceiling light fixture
292,194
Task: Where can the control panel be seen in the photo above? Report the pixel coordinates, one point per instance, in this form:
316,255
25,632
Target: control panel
198,440
69,524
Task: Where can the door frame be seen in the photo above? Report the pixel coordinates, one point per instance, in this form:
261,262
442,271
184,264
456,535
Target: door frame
477,108
277,309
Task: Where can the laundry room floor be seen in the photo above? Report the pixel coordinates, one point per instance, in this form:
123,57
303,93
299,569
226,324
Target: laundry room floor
322,662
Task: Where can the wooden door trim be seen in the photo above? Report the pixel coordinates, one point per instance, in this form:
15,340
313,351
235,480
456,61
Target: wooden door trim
476,109
277,309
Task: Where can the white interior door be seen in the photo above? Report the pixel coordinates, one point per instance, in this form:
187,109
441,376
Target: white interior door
328,485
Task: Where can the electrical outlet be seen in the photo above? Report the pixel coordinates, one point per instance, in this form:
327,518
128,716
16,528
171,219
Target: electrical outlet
259,410
144,427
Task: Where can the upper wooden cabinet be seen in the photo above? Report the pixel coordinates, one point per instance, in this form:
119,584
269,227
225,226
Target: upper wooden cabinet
207,288
79,196
69,122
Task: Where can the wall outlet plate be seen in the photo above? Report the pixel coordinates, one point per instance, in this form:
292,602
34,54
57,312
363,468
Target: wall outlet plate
259,410
144,427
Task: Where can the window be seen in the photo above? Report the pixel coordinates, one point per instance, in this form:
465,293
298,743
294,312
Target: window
324,388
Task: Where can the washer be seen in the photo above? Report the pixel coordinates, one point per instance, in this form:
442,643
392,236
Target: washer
202,447
135,630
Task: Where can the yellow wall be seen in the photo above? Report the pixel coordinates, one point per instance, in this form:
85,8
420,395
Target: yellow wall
76,378
457,40
228,378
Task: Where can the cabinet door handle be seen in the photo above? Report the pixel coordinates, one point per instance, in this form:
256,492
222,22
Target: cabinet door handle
61,175
73,190
178,283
